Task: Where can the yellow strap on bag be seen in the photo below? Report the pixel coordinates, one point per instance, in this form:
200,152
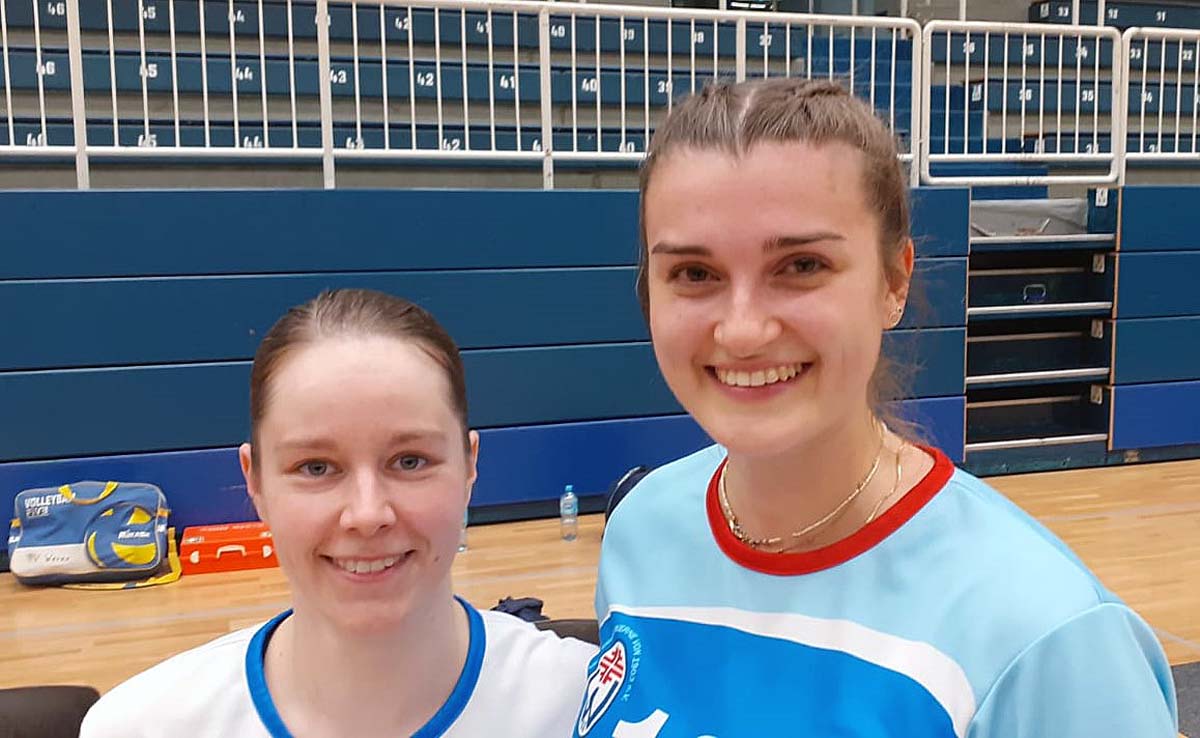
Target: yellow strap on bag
167,572
69,494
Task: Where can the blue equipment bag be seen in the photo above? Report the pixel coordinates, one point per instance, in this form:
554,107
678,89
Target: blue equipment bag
88,532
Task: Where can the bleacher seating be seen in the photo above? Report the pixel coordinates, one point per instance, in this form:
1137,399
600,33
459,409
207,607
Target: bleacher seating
1121,13
286,71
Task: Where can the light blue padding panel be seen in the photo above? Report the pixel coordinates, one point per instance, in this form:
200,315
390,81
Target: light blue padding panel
1148,415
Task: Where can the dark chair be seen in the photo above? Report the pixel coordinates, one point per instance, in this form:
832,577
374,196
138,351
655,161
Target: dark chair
44,712
585,629
622,487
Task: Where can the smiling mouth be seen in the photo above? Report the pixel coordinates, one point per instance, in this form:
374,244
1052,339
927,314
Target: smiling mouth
368,566
761,378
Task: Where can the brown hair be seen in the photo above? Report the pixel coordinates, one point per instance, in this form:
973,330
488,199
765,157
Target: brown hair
354,312
733,117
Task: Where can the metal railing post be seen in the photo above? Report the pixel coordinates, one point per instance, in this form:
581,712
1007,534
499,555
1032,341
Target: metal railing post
547,102
740,52
326,92
83,177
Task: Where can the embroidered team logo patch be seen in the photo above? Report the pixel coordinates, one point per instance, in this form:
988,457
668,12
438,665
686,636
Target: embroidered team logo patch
603,685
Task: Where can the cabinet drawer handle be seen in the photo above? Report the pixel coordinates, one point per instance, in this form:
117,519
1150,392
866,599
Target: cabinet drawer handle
1034,293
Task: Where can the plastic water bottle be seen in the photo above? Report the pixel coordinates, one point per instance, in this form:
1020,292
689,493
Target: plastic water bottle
568,513
462,535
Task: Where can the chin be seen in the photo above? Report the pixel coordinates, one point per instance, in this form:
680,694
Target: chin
759,436
375,618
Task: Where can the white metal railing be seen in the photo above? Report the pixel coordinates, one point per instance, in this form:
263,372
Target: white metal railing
1025,94
604,75
452,80
558,84
1162,86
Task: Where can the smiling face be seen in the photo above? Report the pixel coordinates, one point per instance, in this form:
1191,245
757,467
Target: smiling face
360,470
766,287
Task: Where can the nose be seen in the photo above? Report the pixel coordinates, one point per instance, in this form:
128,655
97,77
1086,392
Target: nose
747,326
367,508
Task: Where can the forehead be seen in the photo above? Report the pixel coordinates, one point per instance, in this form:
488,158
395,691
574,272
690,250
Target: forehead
358,380
772,189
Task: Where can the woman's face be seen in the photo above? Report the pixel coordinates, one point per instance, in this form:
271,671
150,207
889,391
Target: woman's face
767,291
362,475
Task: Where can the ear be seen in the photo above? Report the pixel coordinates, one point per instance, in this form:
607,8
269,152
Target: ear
472,461
898,292
246,459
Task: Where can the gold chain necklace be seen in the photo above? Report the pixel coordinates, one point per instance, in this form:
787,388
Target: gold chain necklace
895,485
796,537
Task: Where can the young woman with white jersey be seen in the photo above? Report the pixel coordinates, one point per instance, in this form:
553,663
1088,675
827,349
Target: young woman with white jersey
820,571
361,462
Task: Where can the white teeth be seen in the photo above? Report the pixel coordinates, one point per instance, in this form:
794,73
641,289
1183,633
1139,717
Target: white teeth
759,378
363,566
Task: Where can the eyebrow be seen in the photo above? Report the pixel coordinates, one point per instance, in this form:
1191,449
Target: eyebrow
317,443
777,243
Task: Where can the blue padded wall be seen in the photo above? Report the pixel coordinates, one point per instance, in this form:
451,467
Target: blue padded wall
140,312
93,234
1156,395
1160,218
1157,350
90,322
1150,415
516,465
1158,283
179,406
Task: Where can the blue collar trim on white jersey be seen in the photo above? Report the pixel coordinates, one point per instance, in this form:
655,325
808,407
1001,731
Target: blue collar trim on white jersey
437,725
465,687
257,678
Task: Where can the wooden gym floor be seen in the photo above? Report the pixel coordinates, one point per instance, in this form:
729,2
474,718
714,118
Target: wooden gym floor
1135,526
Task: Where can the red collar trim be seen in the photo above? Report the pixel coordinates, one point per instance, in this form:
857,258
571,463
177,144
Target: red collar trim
807,562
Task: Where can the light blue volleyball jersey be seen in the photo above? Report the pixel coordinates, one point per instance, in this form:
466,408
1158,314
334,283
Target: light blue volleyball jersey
953,614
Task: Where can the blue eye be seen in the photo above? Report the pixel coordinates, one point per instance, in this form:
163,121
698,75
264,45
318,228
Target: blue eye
690,274
410,462
314,468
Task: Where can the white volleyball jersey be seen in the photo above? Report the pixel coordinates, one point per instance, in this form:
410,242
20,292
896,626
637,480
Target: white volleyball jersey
517,682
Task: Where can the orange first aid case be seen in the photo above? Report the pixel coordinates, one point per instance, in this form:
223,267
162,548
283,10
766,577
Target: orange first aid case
227,547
